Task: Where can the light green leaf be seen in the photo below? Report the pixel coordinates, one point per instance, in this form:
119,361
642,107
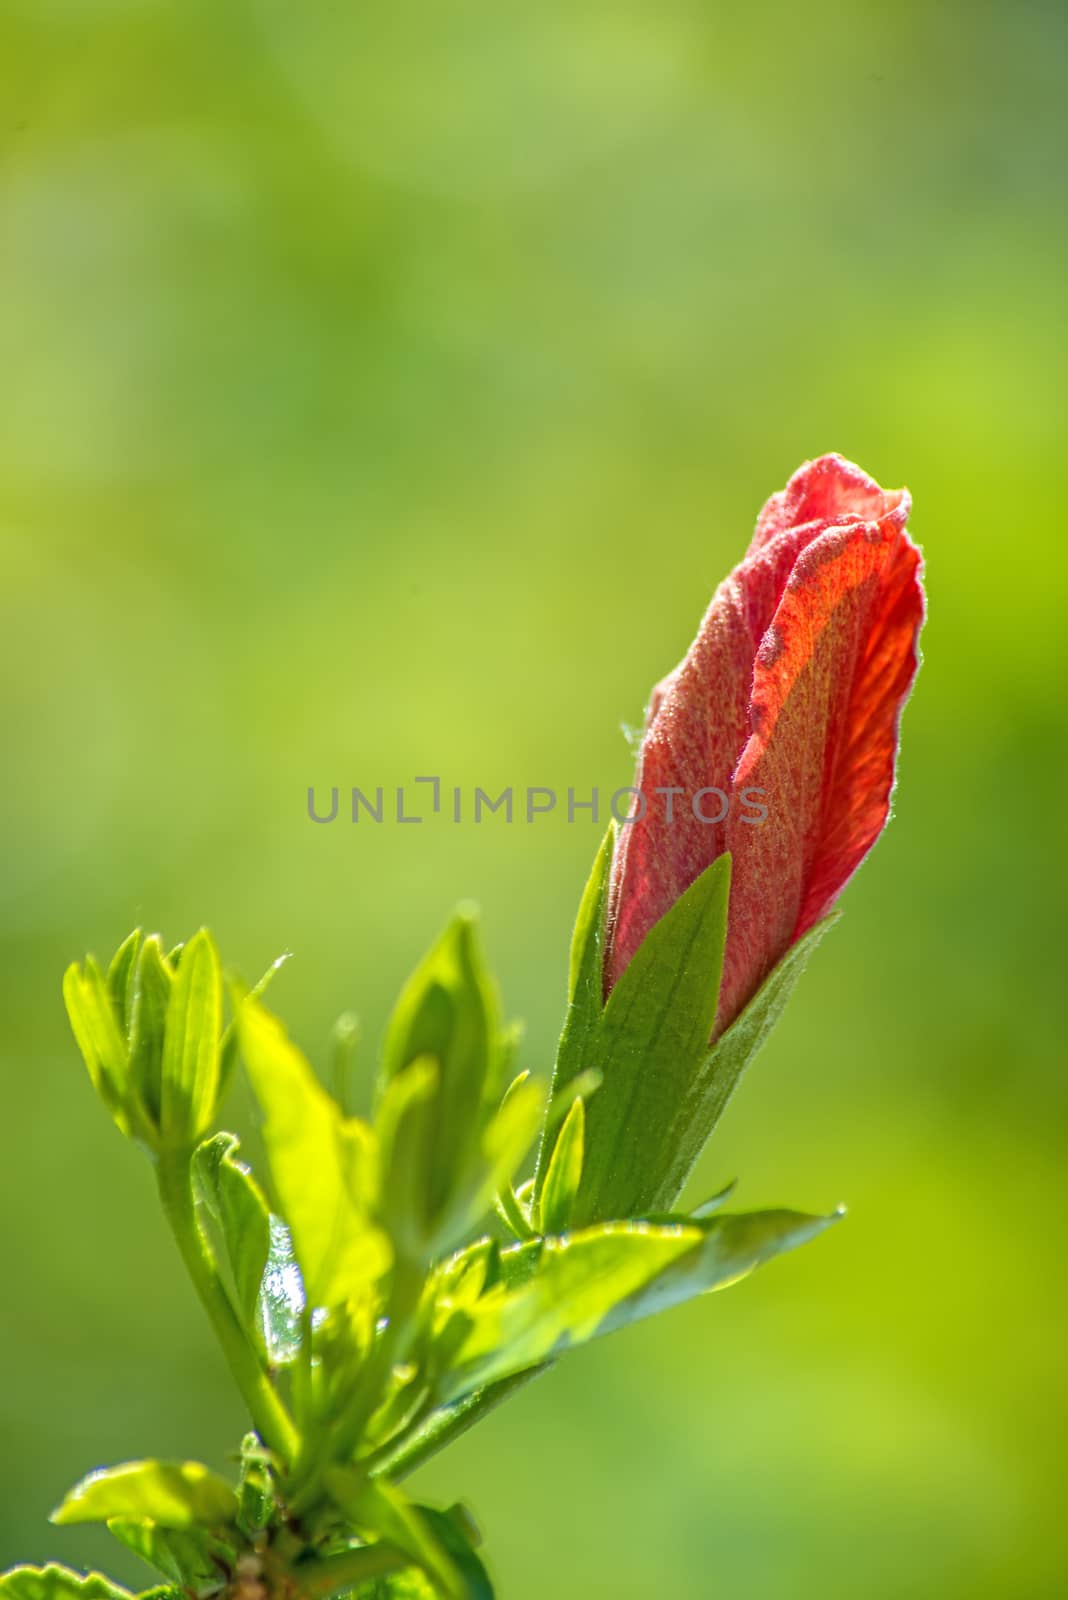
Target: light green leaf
650,1045
234,1220
504,1145
406,1125
171,1494
100,1040
282,1299
448,1011
191,1043
564,1172
182,1558
151,983
585,990
120,977
324,1165
58,1583
561,1292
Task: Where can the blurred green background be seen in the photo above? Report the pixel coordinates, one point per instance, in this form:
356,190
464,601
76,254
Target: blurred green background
386,387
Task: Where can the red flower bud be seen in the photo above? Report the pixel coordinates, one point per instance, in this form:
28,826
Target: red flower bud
788,702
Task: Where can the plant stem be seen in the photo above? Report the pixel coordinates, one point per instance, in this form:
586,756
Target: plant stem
320,1579
269,1415
387,1349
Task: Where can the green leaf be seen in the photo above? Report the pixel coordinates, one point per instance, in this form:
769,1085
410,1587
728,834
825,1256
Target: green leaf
650,1045
191,1043
380,1510
151,983
585,989
58,1583
504,1145
406,1125
561,1292
171,1494
92,1018
183,1558
120,977
448,1011
282,1299
324,1165
234,1220
564,1172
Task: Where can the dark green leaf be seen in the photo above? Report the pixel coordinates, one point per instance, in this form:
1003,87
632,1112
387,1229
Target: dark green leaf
171,1494
233,1218
191,1043
650,1045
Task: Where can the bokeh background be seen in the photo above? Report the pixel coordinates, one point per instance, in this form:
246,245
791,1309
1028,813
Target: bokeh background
385,388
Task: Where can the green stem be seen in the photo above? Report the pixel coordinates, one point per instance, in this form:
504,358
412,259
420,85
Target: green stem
269,1415
320,1579
388,1348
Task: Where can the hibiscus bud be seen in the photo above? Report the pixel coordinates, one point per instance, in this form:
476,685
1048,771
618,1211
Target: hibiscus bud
788,704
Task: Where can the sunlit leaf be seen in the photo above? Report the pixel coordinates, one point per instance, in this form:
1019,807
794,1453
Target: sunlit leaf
58,1583
151,983
233,1218
120,977
561,1291
100,1040
191,1043
448,1012
171,1494
324,1166
282,1299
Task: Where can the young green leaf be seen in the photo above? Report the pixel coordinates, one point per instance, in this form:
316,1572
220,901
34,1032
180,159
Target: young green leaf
171,1494
585,990
324,1165
561,1292
100,1040
650,1045
191,1044
448,1011
187,1559
234,1220
282,1300
58,1583
407,1127
564,1173
150,991
120,977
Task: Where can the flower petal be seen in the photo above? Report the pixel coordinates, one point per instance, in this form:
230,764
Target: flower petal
830,679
